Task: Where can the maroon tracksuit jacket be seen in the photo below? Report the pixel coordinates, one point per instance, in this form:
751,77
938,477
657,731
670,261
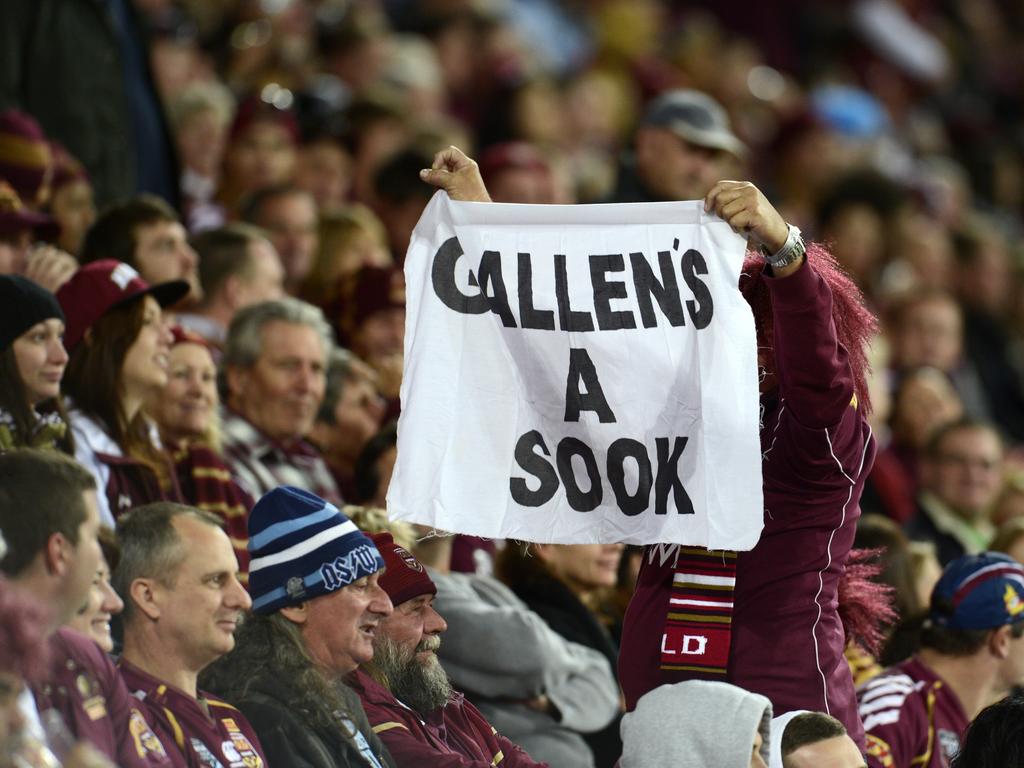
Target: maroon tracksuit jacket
787,639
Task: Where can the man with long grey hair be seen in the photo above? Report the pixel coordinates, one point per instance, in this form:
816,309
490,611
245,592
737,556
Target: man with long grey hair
316,607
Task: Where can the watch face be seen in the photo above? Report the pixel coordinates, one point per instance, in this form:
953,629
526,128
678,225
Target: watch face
789,255
781,256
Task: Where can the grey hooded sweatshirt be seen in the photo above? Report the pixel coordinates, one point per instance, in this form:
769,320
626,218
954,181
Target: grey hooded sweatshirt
695,724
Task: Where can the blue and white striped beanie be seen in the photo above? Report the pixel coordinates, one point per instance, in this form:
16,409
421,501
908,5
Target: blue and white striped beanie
302,547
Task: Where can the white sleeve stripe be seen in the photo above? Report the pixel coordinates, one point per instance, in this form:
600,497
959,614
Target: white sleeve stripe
869,693
882,718
885,702
701,579
828,563
885,680
874,693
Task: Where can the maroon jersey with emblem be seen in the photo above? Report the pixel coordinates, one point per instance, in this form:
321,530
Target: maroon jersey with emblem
208,732
911,717
90,695
787,639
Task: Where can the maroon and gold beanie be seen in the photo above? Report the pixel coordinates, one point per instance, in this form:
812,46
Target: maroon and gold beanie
26,162
404,576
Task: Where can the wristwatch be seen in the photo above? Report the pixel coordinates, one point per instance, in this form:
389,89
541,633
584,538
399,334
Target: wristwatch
791,251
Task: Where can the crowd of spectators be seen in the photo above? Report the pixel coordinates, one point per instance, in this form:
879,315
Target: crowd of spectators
205,208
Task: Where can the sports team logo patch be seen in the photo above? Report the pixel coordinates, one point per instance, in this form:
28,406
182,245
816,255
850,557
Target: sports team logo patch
95,708
230,753
239,749
409,560
296,588
949,742
123,274
206,757
880,750
145,741
1013,602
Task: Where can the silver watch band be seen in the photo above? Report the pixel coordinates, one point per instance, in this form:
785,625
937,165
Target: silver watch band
790,252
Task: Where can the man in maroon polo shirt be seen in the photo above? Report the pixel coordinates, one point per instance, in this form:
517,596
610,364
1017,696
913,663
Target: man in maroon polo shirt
178,577
49,517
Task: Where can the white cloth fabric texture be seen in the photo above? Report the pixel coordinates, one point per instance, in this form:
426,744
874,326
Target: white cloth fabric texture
579,374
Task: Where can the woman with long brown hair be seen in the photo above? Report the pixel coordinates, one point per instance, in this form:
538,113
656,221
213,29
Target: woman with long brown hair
118,344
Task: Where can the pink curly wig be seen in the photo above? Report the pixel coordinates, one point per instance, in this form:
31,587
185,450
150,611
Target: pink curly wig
855,323
865,604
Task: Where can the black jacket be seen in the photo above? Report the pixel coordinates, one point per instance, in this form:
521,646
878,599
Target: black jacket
629,188
289,741
60,61
921,527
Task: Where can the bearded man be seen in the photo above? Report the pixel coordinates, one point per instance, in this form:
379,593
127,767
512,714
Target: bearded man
405,690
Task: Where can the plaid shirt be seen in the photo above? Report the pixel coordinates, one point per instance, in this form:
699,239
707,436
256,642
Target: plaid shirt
259,464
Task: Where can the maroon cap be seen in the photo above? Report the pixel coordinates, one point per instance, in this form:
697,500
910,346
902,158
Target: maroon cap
511,154
258,110
100,286
363,293
404,576
184,336
17,217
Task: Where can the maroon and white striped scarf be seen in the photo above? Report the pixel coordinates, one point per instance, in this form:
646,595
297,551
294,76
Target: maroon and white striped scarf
698,625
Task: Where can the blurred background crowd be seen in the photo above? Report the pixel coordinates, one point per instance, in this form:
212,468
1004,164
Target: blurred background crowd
266,153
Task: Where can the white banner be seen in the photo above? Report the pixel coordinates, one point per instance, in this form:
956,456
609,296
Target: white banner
579,374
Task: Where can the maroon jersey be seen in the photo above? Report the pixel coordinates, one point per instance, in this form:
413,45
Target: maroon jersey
787,639
911,717
208,732
91,697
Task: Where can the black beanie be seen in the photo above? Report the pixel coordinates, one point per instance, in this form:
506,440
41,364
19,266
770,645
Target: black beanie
22,305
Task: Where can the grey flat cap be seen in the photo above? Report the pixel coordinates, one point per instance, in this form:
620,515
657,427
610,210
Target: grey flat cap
695,117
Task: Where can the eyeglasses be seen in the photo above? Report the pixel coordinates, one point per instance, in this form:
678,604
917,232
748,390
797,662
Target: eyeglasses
973,462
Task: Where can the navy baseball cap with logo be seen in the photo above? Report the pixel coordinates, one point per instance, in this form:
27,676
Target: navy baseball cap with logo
982,591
